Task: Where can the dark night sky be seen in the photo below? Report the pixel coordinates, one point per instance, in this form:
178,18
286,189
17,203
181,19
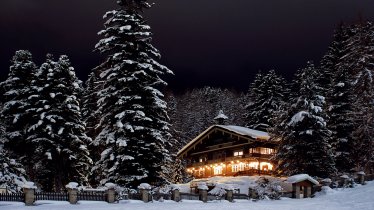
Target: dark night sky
205,42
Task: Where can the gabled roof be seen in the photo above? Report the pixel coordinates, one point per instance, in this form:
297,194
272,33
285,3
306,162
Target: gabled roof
301,177
238,130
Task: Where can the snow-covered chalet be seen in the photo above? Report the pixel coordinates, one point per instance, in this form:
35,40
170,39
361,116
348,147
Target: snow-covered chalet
227,150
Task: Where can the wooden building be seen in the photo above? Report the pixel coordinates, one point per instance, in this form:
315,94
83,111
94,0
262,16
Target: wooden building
226,150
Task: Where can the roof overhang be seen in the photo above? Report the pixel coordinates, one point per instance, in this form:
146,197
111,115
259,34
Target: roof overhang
240,132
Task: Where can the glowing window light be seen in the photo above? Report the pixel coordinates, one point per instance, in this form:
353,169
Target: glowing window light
266,166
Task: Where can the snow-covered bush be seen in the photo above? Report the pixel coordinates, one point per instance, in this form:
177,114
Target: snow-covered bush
267,189
161,193
124,193
218,190
346,181
202,186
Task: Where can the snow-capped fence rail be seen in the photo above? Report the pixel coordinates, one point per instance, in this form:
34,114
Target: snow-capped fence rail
19,197
52,196
92,196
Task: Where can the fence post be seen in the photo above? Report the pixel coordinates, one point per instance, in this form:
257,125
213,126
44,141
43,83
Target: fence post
230,195
111,192
361,177
344,180
144,189
203,191
29,191
252,193
203,195
175,196
72,188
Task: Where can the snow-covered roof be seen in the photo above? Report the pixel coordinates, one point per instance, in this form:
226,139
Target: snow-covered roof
246,131
243,131
300,178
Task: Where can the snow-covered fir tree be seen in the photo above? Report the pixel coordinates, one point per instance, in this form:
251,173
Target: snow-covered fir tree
89,104
304,138
133,132
90,113
266,94
362,52
339,100
353,63
12,173
16,91
340,120
57,132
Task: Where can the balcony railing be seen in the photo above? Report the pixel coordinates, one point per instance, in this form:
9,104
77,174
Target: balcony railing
229,159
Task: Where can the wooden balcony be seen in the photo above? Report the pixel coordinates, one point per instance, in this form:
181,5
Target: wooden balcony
229,159
252,172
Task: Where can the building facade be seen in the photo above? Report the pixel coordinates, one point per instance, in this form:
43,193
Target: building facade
226,150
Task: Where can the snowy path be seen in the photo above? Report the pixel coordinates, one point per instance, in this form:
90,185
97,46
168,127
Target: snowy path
360,198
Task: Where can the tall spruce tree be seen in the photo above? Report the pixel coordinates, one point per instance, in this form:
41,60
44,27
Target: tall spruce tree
341,121
58,133
133,132
340,100
304,138
362,67
16,93
266,94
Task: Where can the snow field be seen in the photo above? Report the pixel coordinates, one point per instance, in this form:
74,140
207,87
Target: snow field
360,198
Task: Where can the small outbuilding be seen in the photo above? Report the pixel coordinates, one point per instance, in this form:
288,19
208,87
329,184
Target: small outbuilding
302,185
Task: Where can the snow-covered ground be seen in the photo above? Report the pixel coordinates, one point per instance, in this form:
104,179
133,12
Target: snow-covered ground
360,198
241,182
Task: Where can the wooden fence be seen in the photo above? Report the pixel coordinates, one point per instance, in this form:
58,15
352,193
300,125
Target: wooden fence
92,196
18,197
132,196
240,196
158,196
189,196
52,196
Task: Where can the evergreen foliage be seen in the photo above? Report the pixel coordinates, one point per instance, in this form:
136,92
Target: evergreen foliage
57,133
340,100
266,94
133,132
304,138
194,111
12,173
16,93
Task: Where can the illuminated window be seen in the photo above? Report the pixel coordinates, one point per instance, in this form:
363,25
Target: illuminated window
265,166
253,165
201,172
261,150
254,150
238,167
218,170
238,153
